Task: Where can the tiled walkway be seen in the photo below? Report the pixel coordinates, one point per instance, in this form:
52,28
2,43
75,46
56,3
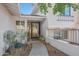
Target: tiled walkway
38,49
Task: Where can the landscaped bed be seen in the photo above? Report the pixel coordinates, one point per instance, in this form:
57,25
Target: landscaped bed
52,51
23,51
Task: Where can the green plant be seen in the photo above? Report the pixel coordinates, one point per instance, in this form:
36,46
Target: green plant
9,38
57,7
44,7
21,35
14,39
41,38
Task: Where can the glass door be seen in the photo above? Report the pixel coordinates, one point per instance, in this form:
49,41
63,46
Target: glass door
33,29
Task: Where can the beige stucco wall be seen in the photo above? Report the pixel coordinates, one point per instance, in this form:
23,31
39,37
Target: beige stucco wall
6,23
76,20
54,23
43,27
52,19
69,49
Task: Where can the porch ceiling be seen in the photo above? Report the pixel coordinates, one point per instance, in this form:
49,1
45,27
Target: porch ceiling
12,8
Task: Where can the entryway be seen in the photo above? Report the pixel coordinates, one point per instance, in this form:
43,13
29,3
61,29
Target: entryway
33,30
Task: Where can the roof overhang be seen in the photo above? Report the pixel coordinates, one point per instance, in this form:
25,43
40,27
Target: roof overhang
13,8
34,18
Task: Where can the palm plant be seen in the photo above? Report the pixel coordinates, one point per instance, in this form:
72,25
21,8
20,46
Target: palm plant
15,39
9,38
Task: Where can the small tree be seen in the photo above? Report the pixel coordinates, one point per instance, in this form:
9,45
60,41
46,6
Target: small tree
57,8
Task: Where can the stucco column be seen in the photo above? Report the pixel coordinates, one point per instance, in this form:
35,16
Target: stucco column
74,32
76,19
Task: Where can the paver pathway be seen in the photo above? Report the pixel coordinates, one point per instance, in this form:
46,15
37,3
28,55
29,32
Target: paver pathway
38,49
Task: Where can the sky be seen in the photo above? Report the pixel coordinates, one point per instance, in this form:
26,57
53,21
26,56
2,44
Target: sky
26,8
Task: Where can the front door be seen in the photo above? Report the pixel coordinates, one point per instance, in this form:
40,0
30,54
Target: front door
34,29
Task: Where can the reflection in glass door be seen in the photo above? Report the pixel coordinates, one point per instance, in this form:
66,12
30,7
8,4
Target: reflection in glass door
34,29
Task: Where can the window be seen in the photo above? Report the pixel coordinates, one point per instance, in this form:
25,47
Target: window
17,22
20,25
67,11
60,34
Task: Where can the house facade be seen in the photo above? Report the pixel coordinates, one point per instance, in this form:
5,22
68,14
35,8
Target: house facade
60,31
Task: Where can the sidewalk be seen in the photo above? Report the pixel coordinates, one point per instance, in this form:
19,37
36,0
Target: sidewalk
38,49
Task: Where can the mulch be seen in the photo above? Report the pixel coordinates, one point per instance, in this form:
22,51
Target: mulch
52,51
24,51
